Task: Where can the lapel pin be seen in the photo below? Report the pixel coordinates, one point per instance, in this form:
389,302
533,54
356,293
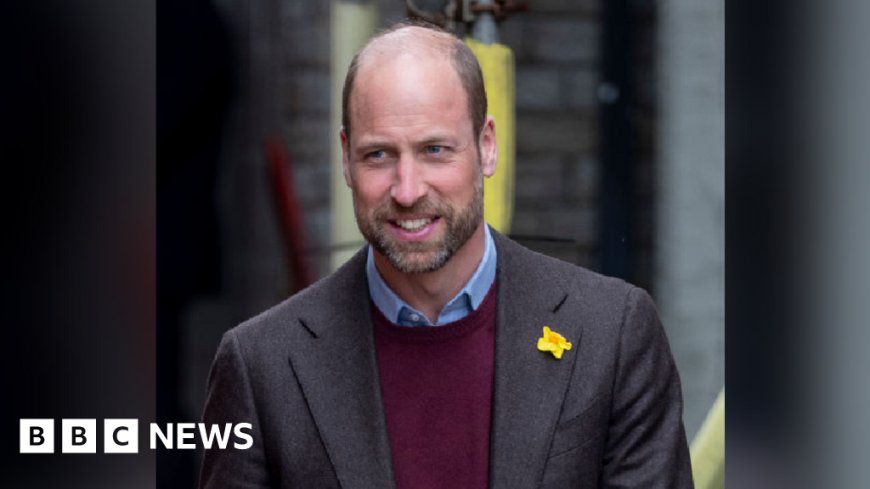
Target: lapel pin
553,342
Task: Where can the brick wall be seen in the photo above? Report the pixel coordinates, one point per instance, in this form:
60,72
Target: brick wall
556,44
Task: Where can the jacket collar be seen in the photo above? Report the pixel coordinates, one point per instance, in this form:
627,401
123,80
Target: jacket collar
337,370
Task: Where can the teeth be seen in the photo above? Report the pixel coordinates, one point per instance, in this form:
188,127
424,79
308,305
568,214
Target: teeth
413,224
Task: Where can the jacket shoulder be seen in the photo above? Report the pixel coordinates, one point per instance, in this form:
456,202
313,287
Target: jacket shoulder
282,321
542,269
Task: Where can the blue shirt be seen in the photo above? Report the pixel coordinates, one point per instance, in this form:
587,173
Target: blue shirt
467,300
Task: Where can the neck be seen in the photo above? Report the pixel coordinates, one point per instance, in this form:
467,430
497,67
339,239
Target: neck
429,292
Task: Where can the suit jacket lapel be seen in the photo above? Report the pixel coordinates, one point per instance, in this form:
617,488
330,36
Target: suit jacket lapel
530,385
337,369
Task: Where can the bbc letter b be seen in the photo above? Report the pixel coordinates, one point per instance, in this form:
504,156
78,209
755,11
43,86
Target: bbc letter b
78,436
36,436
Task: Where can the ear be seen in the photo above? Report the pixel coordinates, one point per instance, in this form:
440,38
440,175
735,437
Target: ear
488,147
345,156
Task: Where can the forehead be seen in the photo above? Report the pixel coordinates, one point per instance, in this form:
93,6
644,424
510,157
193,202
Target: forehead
422,43
407,89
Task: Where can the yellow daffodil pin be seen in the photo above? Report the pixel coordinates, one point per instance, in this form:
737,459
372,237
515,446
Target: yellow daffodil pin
553,342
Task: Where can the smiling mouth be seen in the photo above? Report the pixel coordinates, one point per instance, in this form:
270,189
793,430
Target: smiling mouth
413,224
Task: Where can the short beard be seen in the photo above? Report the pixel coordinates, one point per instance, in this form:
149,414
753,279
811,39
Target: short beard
423,257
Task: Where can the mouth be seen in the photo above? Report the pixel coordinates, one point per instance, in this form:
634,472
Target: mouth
418,227
413,224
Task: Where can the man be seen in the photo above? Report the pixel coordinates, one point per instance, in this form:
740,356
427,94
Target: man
424,361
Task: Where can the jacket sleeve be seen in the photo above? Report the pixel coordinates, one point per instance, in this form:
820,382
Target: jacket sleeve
646,445
229,399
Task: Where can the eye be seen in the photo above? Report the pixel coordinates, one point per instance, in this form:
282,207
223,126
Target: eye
376,155
434,149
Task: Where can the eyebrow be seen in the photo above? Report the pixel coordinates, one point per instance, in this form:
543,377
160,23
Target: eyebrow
437,139
372,144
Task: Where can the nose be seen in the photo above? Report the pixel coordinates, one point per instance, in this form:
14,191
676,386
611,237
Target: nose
408,186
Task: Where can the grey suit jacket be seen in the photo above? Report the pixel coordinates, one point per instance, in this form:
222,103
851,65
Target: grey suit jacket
304,373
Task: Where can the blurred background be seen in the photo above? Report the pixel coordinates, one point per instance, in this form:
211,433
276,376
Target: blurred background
618,167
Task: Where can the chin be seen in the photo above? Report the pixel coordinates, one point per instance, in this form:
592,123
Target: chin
418,262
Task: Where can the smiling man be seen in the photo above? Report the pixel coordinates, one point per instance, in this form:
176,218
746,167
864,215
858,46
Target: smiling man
443,355
415,158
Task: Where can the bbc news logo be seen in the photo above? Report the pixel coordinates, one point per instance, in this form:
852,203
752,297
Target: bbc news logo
122,436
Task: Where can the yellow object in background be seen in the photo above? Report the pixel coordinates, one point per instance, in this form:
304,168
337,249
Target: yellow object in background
351,25
497,63
708,448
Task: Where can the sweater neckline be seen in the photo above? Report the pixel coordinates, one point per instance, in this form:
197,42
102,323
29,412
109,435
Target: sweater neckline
485,313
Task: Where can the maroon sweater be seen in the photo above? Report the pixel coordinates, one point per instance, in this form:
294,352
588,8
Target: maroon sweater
436,384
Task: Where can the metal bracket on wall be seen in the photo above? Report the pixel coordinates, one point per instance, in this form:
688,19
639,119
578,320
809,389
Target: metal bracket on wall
465,11
444,17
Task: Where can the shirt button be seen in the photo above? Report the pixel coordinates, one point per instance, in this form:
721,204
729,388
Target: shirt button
415,317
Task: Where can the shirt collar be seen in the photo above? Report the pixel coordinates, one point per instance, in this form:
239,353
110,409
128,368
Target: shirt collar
467,300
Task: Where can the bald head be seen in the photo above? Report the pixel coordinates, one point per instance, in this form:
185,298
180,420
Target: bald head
425,42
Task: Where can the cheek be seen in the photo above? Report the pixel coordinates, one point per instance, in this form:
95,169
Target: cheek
458,184
370,188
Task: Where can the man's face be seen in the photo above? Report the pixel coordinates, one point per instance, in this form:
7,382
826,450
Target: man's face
413,162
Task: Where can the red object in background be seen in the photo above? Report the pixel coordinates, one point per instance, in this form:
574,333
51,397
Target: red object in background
290,214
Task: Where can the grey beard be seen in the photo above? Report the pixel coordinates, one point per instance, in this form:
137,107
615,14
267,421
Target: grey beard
461,226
